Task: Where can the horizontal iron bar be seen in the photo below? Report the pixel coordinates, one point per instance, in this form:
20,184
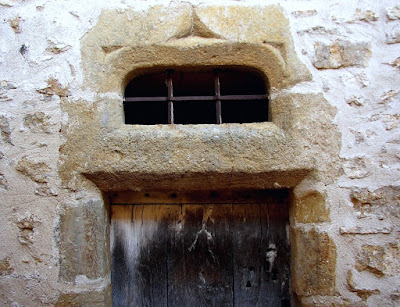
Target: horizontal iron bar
196,98
243,97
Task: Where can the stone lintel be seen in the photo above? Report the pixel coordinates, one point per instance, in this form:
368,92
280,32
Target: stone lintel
108,182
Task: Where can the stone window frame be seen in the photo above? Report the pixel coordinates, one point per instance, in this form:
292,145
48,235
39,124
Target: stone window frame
277,154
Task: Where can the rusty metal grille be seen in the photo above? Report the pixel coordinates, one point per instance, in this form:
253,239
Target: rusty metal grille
250,100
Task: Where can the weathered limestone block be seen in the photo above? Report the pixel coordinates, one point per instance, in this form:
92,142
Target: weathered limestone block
358,230
306,13
365,15
380,259
357,168
3,181
396,63
393,37
395,296
341,54
309,118
54,88
381,203
311,208
10,3
313,263
393,13
15,24
5,267
37,171
389,96
363,292
87,298
27,225
80,231
390,121
4,84
38,122
5,129
355,101
319,30
328,301
57,48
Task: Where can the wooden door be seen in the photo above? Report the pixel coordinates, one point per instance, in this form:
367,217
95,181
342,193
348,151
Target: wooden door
200,249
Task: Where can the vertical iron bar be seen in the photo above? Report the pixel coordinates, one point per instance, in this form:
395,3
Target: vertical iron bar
170,95
218,98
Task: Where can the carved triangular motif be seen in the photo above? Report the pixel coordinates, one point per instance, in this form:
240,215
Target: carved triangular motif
197,28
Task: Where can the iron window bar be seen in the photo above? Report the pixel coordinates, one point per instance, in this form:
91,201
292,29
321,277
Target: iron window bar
170,98
196,98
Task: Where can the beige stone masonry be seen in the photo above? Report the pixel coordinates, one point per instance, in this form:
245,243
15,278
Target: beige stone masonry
119,157
300,141
331,69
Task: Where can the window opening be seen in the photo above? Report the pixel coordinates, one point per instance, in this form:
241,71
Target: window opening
200,97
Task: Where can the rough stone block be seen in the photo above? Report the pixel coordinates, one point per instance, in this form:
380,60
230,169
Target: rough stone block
355,101
327,301
5,129
27,225
88,298
393,37
311,208
8,85
314,262
381,203
380,259
54,88
38,122
366,15
82,246
388,96
341,54
357,168
37,171
5,267
57,48
15,24
393,13
354,285
390,121
365,230
306,13
3,181
395,296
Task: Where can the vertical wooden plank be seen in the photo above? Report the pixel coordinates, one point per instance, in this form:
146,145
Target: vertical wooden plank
246,237
139,236
275,255
201,255
200,264
120,266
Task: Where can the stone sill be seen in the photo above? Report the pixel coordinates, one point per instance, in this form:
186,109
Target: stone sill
196,157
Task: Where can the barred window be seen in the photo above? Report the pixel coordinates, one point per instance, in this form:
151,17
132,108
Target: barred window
196,97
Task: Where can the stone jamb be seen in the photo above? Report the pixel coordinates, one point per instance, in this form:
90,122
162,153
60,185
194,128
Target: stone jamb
121,157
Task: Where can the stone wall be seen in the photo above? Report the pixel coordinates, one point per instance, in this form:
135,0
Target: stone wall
335,94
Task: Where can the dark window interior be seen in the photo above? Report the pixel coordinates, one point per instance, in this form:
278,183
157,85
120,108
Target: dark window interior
254,111
196,97
194,112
